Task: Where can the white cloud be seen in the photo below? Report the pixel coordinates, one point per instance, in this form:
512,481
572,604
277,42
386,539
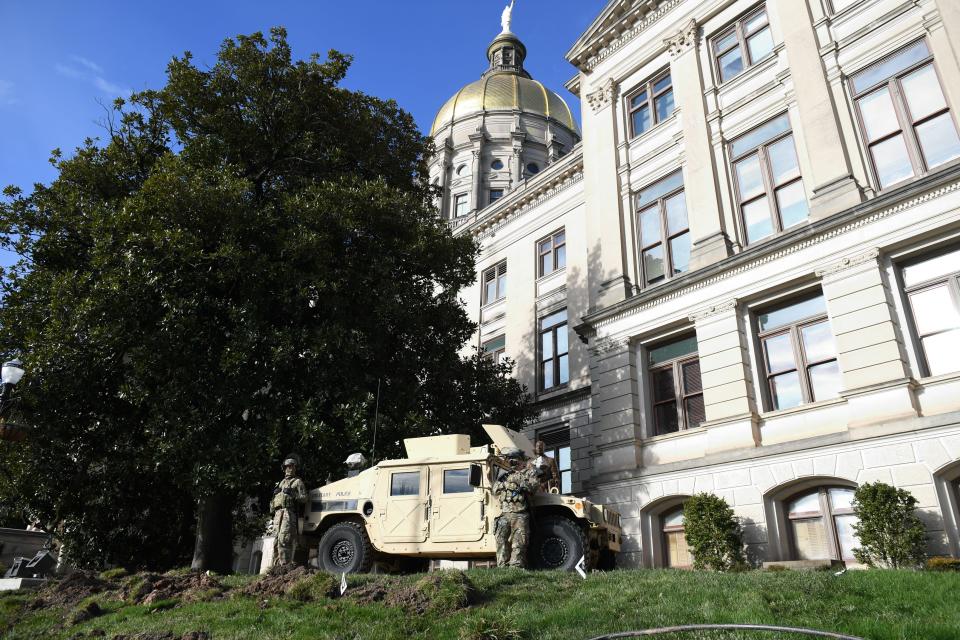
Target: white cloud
89,64
108,87
90,71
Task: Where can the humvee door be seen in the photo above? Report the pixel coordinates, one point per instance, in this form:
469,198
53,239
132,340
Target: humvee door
403,504
503,438
458,509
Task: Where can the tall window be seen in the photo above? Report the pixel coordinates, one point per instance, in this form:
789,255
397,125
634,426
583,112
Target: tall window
460,205
554,359
769,187
557,446
552,253
651,103
742,45
664,233
821,524
495,194
676,552
904,116
932,286
675,386
495,283
496,349
799,355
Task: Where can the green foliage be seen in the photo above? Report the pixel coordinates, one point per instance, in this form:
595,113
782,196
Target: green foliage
713,533
314,588
489,627
231,274
445,591
942,563
114,574
890,533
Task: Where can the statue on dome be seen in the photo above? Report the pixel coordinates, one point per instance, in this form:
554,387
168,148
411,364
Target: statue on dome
507,18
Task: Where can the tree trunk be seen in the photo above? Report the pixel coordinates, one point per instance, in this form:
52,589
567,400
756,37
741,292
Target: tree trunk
213,550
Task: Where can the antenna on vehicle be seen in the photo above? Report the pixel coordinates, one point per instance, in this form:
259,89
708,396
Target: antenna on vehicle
376,419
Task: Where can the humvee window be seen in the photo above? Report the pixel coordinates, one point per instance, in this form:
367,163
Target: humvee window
456,481
405,484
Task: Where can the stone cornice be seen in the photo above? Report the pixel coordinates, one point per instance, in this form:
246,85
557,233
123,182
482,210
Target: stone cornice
610,345
849,262
716,309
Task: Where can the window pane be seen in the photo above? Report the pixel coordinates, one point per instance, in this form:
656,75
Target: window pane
559,238
690,372
674,518
779,353
845,535
495,345
810,539
785,390
731,64
663,388
923,93
806,504
695,411
939,141
934,310
491,291
667,418
793,204
664,105
931,268
546,371
943,352
893,163
818,342
756,217
761,134
792,312
879,116
563,459
546,345
638,99
825,381
841,498
661,84
653,264
673,350
749,177
566,485
760,45
554,319
725,42
502,285
641,120
561,339
676,207
561,257
783,160
891,66
456,481
655,191
754,23
405,484
680,252
650,226
564,369
546,264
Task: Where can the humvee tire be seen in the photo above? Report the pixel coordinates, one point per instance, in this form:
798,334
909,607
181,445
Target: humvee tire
345,548
557,543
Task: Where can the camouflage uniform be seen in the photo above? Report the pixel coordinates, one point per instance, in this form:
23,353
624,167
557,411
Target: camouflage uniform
512,529
290,496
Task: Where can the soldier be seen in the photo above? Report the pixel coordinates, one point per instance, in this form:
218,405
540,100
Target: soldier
289,499
514,489
551,475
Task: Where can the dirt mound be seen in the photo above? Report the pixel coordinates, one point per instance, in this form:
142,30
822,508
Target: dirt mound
150,588
439,592
78,586
368,593
278,581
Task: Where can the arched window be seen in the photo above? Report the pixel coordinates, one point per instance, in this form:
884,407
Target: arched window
821,524
676,552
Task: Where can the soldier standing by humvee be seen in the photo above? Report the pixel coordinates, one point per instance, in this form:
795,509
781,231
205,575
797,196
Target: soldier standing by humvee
514,489
289,499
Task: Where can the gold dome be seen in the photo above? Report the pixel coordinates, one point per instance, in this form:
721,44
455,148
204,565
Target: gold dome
504,92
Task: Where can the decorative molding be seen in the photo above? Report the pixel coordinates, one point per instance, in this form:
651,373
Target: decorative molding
606,51
610,345
688,38
843,229
849,262
716,309
489,228
604,96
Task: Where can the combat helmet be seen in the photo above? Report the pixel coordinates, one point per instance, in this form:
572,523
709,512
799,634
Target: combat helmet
513,453
293,459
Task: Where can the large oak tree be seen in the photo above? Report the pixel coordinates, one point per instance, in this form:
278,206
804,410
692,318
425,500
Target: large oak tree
232,273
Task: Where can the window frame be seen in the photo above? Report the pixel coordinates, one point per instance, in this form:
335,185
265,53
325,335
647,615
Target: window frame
499,354
443,482
952,282
553,441
491,197
393,476
794,329
770,188
553,252
556,355
901,109
680,397
666,529
457,199
499,277
737,27
665,237
826,513
651,102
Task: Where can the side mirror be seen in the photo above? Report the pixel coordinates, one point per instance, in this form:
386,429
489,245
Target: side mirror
476,475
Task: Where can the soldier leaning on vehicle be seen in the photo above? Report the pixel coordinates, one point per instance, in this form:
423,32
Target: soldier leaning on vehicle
289,499
514,490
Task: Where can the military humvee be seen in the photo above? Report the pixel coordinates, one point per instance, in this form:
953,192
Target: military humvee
438,503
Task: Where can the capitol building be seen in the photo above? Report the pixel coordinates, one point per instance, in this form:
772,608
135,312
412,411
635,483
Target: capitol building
741,275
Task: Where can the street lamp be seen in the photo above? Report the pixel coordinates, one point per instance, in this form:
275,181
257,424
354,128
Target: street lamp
10,375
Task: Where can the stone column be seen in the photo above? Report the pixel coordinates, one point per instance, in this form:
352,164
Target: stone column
874,367
607,277
728,397
616,404
944,29
831,178
477,175
516,161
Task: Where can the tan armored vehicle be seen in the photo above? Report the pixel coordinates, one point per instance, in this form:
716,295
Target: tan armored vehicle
438,503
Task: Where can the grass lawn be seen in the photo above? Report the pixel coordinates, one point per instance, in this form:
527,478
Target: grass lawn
513,604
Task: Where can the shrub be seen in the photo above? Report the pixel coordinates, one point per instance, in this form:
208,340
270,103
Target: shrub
943,564
713,533
890,533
